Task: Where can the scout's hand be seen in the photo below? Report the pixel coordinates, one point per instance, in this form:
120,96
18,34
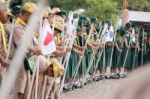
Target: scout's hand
62,53
80,53
128,46
68,49
120,50
5,63
37,52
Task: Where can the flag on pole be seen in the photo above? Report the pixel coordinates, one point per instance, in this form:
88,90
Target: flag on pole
133,35
47,43
110,34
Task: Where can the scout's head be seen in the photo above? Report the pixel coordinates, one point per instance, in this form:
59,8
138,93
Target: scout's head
58,25
93,21
56,11
129,27
16,11
27,10
83,25
118,32
3,11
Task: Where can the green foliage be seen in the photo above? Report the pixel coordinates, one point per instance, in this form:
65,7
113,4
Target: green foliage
137,5
102,9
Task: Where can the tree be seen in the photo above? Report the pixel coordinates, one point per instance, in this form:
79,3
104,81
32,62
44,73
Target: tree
137,5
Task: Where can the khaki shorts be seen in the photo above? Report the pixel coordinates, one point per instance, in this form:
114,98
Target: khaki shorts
22,81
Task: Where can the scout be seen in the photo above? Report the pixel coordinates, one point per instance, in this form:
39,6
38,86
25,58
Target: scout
127,49
109,50
21,24
3,40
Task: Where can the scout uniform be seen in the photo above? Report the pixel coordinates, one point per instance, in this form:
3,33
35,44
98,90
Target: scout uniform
109,50
109,47
101,64
83,23
127,51
58,25
75,59
3,37
93,40
18,32
117,54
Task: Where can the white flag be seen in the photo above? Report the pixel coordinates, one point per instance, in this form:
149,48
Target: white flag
47,43
133,35
110,34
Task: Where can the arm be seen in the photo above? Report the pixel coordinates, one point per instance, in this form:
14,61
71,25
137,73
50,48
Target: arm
118,48
126,44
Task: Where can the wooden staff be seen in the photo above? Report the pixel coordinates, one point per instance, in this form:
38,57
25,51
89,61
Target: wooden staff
142,48
126,54
49,88
100,55
110,65
44,86
36,82
31,84
136,50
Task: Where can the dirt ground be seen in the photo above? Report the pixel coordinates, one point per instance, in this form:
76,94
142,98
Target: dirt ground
104,89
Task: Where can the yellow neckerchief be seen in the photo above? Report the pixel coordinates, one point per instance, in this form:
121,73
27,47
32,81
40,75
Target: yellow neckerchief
57,39
3,37
21,22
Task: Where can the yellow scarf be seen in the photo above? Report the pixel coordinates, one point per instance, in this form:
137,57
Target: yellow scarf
21,22
3,37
